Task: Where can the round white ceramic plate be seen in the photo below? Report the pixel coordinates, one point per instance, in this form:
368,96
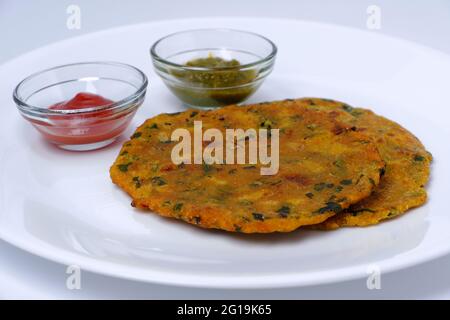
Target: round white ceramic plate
62,205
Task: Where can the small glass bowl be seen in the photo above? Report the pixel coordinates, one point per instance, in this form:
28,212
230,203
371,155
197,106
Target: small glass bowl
81,129
255,54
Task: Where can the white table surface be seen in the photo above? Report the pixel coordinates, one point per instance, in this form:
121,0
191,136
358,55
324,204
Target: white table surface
25,25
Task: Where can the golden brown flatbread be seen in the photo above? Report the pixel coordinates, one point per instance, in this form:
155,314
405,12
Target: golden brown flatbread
324,167
402,186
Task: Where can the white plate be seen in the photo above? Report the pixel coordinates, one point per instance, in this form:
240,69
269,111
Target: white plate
62,205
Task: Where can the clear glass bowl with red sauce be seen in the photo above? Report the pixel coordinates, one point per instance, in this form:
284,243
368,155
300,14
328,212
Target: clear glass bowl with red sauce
82,106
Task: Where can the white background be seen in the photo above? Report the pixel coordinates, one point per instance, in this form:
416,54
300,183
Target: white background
26,25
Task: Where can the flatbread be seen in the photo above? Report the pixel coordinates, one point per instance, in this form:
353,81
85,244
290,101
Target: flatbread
310,186
402,186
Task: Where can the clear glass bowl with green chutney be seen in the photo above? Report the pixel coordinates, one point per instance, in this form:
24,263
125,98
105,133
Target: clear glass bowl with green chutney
210,68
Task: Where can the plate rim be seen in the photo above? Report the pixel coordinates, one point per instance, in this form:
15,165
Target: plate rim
418,45
292,279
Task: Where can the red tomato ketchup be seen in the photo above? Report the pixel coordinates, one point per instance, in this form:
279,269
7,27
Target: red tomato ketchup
82,100
84,128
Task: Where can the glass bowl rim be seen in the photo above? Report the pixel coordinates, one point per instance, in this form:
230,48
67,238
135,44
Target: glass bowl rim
23,105
249,65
